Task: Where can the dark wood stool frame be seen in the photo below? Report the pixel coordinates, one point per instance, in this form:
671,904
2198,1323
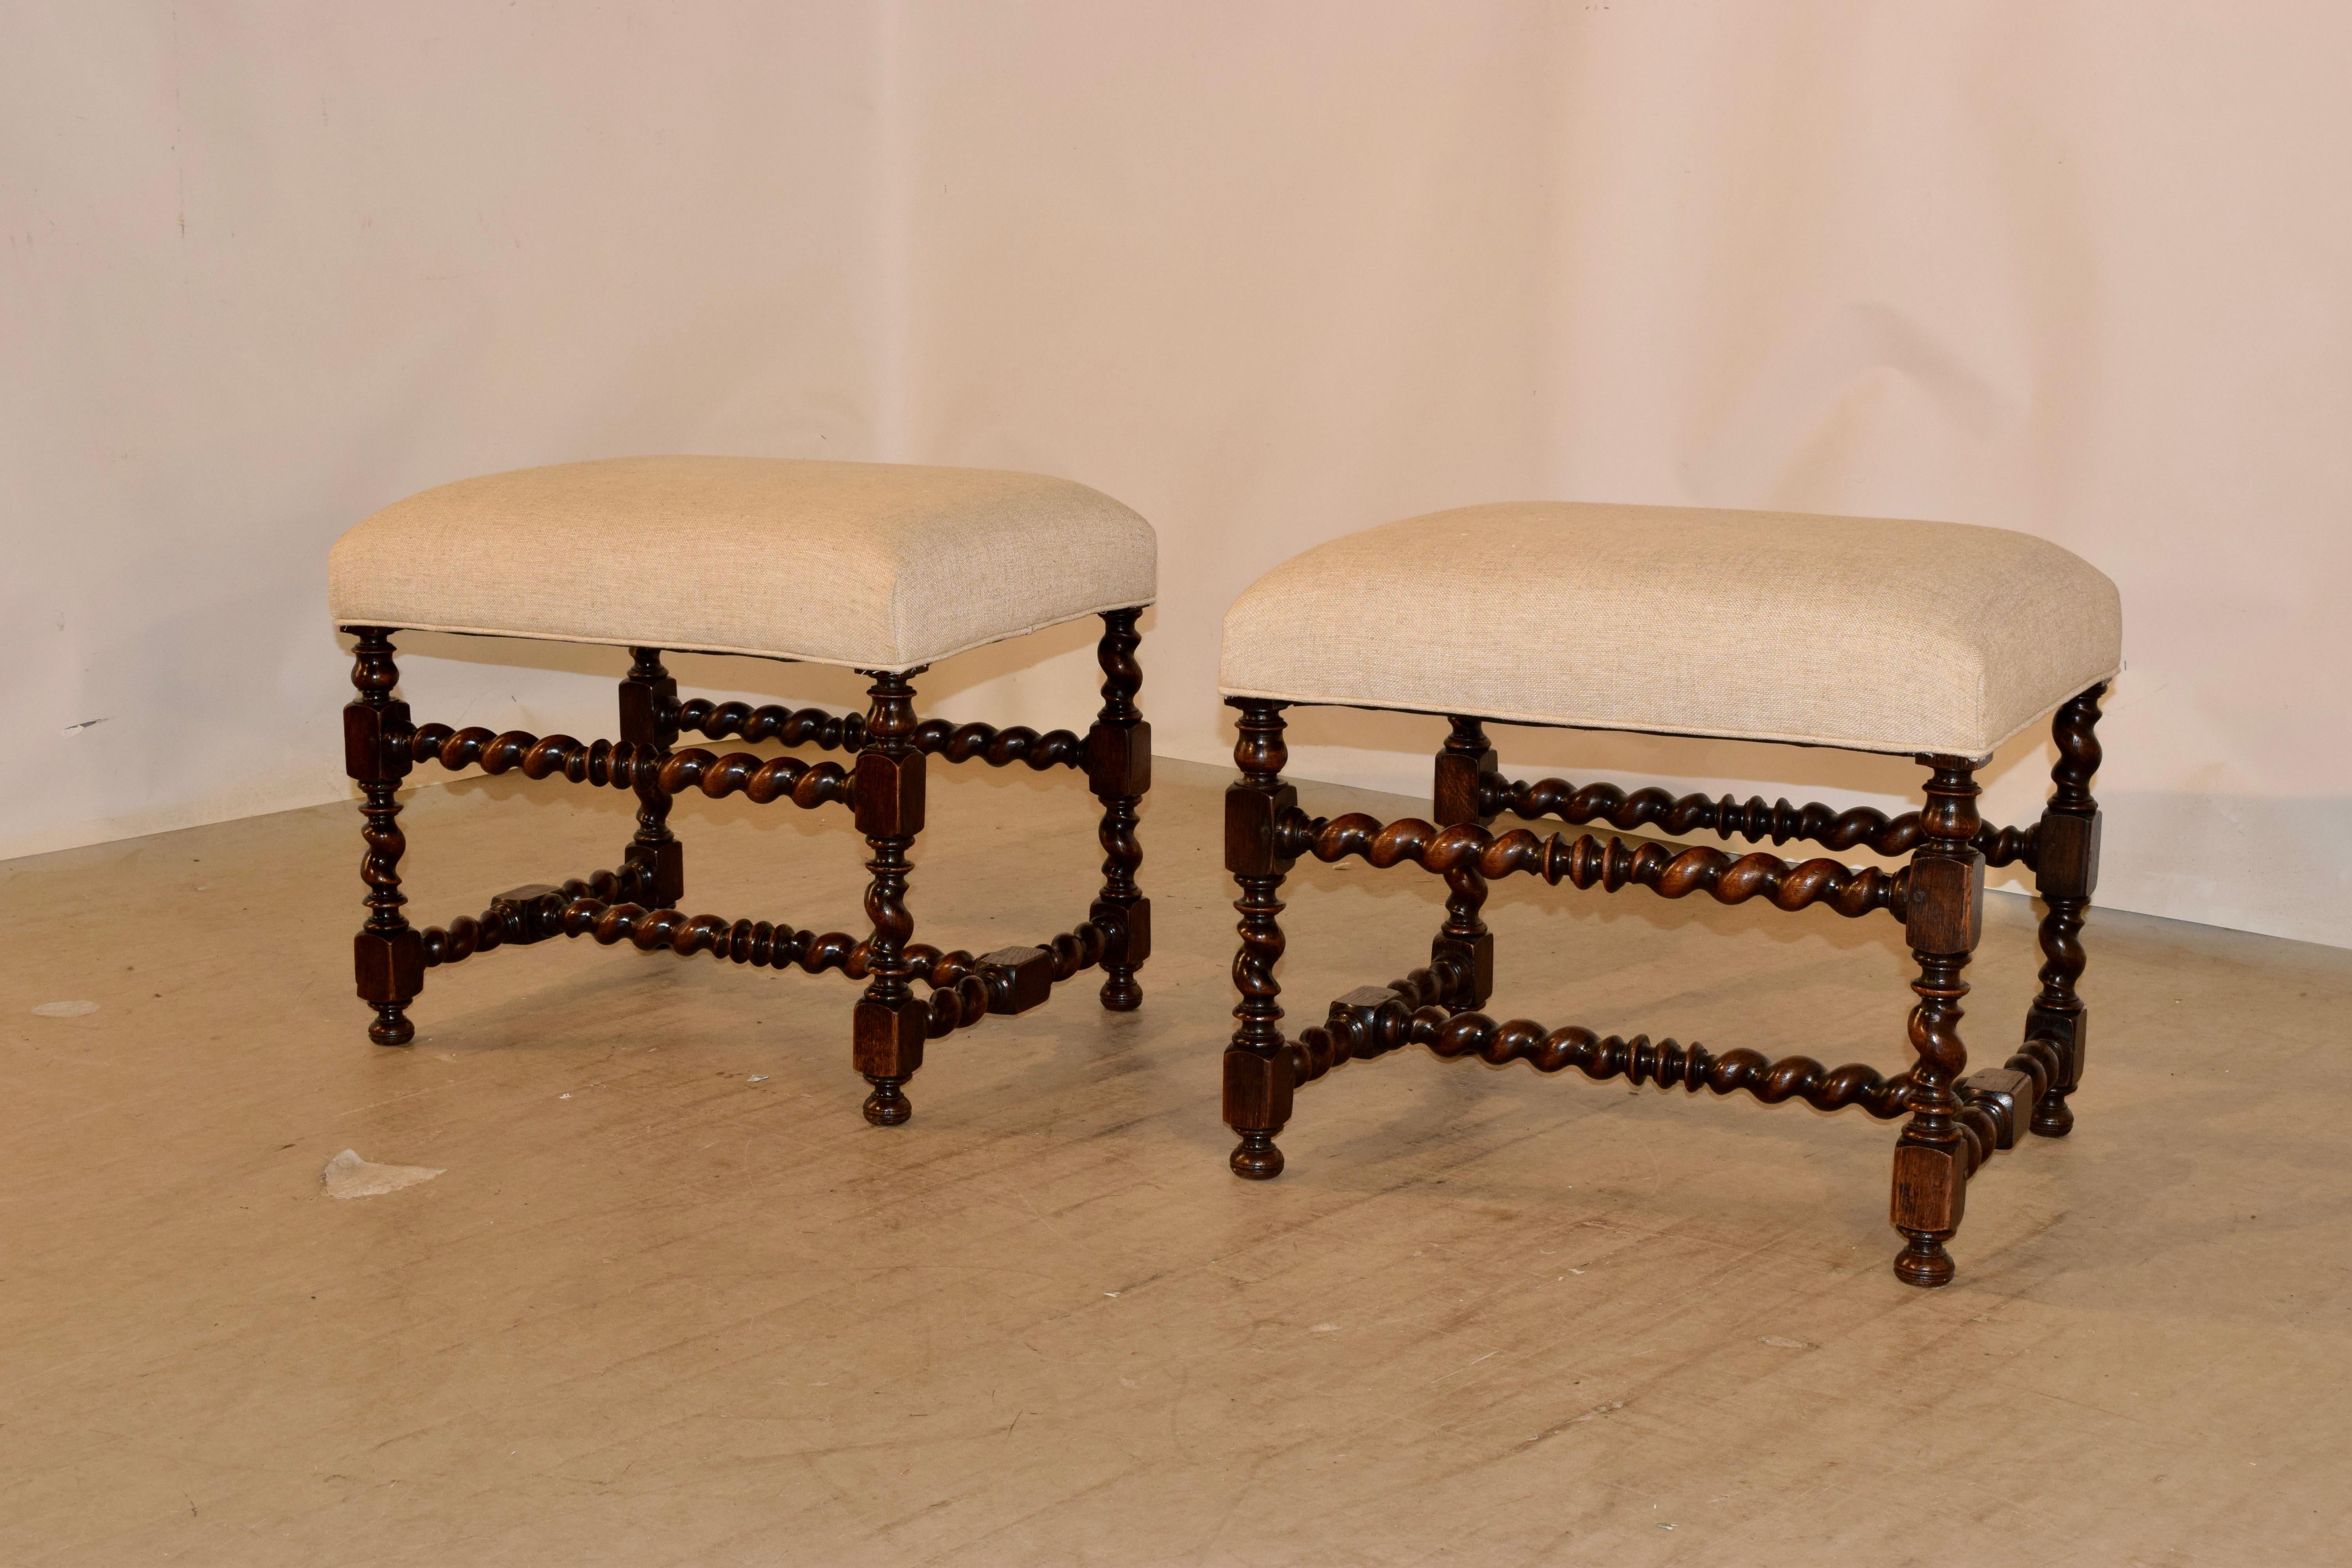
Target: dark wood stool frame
638,901
1956,1124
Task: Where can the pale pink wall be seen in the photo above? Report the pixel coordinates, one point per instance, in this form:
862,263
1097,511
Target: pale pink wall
271,266
1269,274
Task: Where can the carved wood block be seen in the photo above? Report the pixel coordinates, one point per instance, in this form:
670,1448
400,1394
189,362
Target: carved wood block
2066,855
369,755
388,967
1018,978
643,705
1931,1186
1119,759
1358,1007
1250,816
1454,796
1946,912
666,862
1475,957
664,867
886,1041
1356,1017
2071,1034
2008,1094
529,913
889,792
1258,1091
1128,930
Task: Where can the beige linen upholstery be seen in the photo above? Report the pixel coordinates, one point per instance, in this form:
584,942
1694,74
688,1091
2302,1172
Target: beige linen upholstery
1863,633
873,565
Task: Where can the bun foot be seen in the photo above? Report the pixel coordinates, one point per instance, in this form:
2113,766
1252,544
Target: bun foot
2052,1117
1924,1263
886,1106
1120,993
1256,1158
392,1026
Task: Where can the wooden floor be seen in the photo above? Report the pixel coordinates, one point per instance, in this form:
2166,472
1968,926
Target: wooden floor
673,1302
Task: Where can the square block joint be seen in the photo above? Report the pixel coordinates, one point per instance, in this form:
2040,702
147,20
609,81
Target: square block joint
1018,978
529,913
369,755
1454,794
1119,760
1931,1191
2066,855
888,794
887,1040
388,967
664,867
1357,1015
1475,957
1128,929
2071,1031
643,706
1945,910
2008,1094
1251,814
1258,1091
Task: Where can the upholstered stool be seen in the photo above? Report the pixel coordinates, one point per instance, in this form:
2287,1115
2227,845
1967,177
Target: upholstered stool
1936,640
878,567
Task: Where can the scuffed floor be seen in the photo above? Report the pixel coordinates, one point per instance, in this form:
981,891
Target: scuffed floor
672,1301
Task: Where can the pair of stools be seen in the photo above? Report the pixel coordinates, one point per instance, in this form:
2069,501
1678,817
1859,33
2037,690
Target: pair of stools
1934,640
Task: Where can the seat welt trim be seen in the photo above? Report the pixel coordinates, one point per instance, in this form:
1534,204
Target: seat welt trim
1892,748
395,623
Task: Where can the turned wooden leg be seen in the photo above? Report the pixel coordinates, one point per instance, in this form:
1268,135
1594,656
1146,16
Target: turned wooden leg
649,712
1260,1075
1118,771
888,790
388,953
2066,870
1464,949
1944,916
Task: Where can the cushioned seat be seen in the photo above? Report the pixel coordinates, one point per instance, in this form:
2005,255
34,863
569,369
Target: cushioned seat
1861,632
875,566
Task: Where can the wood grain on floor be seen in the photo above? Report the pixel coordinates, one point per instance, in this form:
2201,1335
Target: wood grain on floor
673,1302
